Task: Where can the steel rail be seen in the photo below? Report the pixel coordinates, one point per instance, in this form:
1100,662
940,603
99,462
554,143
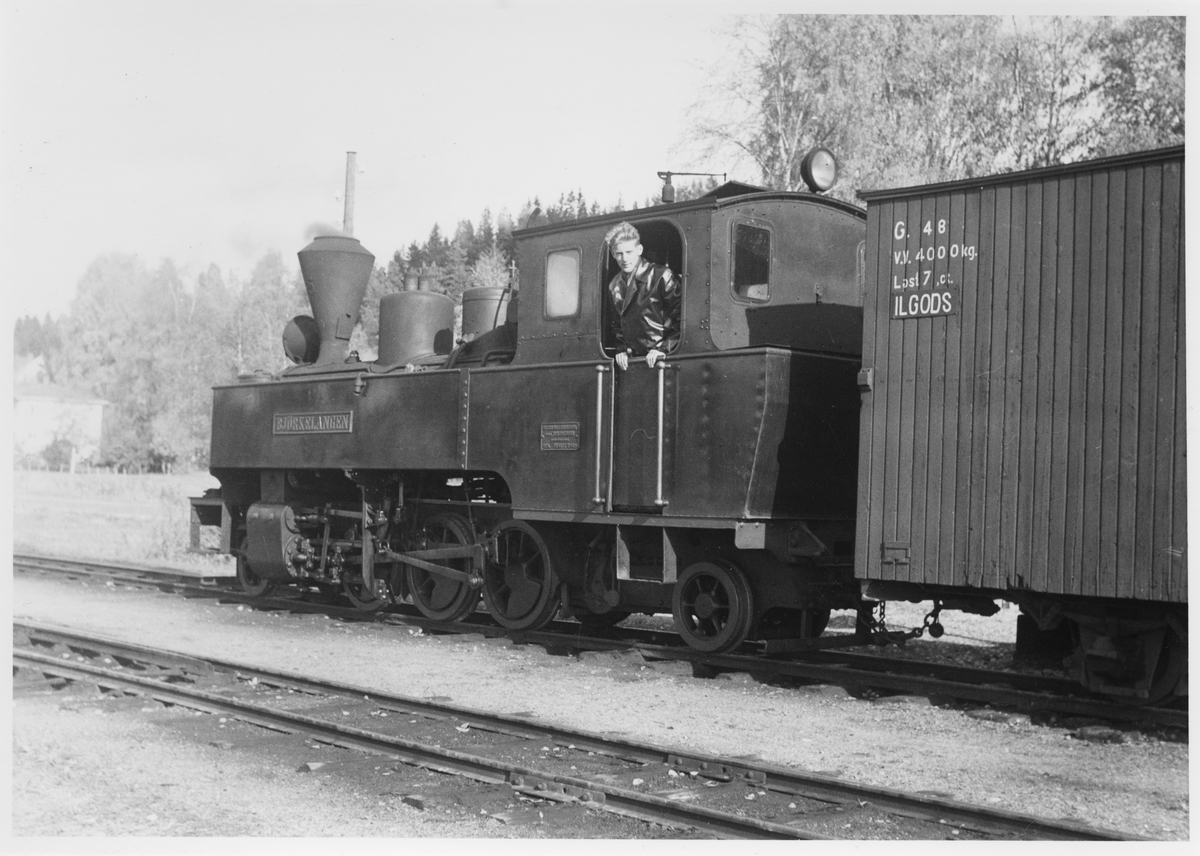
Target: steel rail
1005,689
774,777
901,680
600,795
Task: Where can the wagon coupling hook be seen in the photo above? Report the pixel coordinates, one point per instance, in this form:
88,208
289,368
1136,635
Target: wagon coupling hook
932,624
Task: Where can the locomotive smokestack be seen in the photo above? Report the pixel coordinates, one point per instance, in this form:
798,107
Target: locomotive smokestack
336,270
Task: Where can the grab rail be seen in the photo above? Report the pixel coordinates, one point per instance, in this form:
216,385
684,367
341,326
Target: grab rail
661,365
598,498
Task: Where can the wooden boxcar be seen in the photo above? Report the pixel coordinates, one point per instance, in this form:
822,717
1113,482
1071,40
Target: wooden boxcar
1022,428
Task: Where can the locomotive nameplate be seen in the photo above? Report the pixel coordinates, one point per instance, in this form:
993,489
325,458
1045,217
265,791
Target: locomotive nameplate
339,422
560,436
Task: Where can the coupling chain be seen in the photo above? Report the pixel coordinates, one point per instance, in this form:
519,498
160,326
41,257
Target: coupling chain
881,636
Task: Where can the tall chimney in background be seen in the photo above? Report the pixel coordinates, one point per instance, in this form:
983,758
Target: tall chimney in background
351,171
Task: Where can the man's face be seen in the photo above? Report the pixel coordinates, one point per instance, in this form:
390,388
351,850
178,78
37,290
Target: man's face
627,255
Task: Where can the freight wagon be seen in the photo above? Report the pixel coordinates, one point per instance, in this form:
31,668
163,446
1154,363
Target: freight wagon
1023,399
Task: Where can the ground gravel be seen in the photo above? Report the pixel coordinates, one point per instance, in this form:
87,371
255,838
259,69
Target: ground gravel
111,773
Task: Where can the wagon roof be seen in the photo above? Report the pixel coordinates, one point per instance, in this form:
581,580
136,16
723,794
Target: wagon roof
1114,162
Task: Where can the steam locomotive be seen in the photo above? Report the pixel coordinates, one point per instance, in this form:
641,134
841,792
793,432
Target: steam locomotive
727,485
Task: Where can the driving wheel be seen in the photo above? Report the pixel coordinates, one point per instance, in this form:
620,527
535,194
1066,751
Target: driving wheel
438,597
712,606
520,587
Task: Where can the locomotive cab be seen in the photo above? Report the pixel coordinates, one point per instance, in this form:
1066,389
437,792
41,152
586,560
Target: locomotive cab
757,267
741,447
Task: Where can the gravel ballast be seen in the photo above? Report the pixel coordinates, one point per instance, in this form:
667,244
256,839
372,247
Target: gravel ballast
110,767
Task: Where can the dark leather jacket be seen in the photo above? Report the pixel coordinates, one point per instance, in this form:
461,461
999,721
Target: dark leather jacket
645,315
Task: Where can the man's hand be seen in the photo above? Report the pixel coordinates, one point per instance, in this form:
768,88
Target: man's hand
622,360
653,356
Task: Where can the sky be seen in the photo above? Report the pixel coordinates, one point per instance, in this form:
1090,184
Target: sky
211,132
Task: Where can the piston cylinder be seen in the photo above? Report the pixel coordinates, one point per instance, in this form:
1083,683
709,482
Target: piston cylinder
414,324
273,541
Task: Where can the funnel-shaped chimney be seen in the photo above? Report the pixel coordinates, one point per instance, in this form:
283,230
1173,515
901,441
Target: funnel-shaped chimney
336,270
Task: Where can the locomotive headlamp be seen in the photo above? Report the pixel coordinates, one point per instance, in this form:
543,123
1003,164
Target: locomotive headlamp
819,169
302,340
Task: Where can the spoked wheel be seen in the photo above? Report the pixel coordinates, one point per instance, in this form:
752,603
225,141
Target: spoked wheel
360,598
1137,668
251,583
1167,650
439,597
1170,668
520,587
712,607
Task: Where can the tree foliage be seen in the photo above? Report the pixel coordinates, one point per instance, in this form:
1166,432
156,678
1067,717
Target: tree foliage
910,99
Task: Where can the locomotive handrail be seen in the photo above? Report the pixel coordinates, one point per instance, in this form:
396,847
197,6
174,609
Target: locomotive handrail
598,497
661,365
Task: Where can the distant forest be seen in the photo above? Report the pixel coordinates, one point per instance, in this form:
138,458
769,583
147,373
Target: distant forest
901,100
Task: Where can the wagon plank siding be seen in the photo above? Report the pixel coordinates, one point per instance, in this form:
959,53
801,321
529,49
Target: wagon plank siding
1036,495
924,361
1058,499
907,429
1093,415
870,467
1151,297
1032,437
1171,504
967,325
943,511
1024,446
1115,356
1073,532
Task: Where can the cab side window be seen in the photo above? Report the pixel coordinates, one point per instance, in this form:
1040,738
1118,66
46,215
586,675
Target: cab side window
751,263
562,283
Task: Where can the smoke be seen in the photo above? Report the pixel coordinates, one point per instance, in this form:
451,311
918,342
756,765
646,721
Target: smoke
321,230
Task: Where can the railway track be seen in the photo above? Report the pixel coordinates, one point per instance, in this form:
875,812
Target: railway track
699,794
861,673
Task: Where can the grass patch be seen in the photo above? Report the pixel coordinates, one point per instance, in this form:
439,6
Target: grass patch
141,518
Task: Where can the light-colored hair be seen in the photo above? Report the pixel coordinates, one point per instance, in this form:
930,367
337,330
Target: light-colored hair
621,232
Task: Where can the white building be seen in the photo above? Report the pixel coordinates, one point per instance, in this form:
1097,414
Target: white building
44,413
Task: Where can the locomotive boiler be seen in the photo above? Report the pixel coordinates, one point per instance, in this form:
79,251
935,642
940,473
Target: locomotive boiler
518,465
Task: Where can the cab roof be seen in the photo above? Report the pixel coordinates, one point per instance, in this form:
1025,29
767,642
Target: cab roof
728,194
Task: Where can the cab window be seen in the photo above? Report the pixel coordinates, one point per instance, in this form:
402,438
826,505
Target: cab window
751,262
562,283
